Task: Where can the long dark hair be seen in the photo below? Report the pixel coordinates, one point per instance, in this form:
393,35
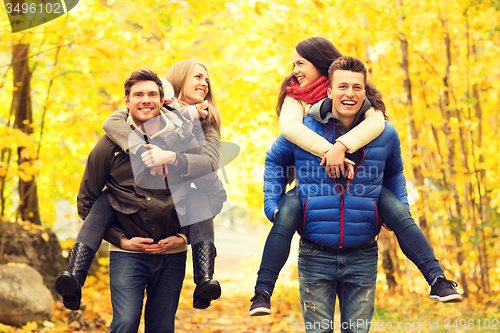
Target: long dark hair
353,64
375,97
318,51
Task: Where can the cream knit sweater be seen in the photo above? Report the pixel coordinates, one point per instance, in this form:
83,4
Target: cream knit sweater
293,129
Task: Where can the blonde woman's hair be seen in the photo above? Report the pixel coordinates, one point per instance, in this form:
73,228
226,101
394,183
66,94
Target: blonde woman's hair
177,75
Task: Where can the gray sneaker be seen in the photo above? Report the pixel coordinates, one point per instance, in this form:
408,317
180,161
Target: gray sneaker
444,291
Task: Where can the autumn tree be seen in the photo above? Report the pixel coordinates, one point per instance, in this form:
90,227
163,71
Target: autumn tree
21,105
435,62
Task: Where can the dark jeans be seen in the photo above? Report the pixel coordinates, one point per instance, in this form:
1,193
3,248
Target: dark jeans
277,247
392,212
198,207
103,216
160,275
100,217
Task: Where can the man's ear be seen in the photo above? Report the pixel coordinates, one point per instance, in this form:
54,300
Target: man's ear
125,99
329,93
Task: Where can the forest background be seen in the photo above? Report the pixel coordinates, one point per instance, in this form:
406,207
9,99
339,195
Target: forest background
435,61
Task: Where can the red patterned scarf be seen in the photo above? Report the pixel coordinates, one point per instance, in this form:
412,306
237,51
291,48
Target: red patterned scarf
311,94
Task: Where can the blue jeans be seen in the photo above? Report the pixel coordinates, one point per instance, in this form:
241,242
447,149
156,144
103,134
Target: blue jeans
161,275
349,274
277,247
394,214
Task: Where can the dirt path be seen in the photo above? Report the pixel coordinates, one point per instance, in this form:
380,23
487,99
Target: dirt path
239,252
229,314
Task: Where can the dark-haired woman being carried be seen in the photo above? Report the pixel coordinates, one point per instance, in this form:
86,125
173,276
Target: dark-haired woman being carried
302,92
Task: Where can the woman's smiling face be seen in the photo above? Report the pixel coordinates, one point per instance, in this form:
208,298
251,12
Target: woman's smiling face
304,71
196,86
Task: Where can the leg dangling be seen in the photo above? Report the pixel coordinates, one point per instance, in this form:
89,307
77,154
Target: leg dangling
69,283
207,289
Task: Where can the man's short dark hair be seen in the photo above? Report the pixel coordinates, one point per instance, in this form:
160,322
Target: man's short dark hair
353,64
143,74
347,63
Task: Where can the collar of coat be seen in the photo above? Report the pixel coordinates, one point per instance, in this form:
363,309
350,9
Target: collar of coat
172,120
322,112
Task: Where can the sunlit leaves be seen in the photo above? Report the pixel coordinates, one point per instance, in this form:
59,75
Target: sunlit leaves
247,46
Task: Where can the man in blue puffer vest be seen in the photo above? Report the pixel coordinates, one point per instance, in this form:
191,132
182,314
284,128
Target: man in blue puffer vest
338,248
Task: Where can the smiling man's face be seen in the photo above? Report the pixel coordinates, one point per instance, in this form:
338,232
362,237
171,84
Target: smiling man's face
144,101
347,92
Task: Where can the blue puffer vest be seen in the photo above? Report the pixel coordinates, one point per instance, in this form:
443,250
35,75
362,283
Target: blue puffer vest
336,215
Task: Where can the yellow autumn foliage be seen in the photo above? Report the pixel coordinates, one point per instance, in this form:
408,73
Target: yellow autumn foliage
80,61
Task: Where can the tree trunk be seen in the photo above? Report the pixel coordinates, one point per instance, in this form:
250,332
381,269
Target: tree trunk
389,258
417,169
5,158
450,143
484,201
21,104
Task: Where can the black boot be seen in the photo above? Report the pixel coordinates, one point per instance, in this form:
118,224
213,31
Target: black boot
69,283
207,289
